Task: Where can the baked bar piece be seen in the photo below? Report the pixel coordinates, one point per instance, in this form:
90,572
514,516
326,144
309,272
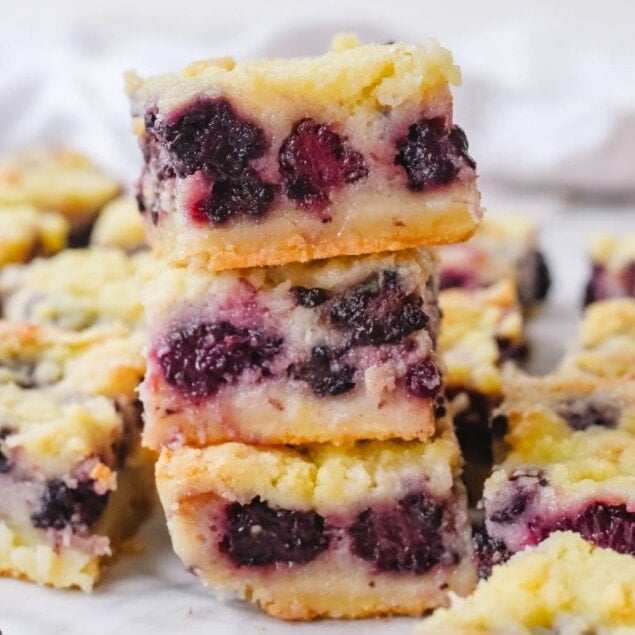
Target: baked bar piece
57,180
275,161
504,246
612,268
606,346
26,232
333,350
565,585
120,225
481,330
68,497
568,463
33,356
75,289
374,528
74,481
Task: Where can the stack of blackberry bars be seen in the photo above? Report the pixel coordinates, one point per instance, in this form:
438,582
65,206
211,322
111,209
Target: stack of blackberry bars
307,461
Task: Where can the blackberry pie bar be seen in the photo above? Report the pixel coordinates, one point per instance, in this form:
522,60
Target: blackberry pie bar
26,232
481,331
565,585
120,225
606,344
333,350
613,268
504,246
287,160
365,529
568,463
74,480
76,289
57,180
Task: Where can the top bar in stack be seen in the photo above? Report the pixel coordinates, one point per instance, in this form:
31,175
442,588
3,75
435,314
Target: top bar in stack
269,162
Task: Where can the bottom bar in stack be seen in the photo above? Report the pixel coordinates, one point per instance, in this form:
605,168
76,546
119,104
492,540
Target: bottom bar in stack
569,464
372,528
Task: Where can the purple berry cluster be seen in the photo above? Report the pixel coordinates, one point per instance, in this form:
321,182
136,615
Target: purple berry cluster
209,137
5,462
406,537
609,526
324,372
258,535
202,356
79,507
374,312
605,525
378,311
314,160
583,412
603,284
488,552
432,153
525,484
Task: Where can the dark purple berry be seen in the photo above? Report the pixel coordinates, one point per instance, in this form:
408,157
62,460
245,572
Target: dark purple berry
609,526
488,552
542,279
596,288
454,278
243,195
258,535
584,412
309,297
525,485
458,138
514,507
314,160
510,350
378,311
324,373
61,505
432,153
202,356
423,379
5,463
141,205
208,135
405,537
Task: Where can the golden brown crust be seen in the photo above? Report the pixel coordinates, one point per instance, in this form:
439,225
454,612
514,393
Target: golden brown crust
455,221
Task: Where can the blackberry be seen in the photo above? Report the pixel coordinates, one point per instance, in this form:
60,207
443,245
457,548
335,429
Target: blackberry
258,535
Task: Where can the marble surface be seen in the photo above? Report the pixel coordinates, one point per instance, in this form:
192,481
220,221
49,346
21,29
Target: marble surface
150,592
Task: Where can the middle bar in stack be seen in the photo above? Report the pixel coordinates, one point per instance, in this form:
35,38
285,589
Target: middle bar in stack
307,461
334,350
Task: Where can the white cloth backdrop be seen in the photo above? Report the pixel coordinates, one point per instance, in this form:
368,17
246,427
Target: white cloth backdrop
548,96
